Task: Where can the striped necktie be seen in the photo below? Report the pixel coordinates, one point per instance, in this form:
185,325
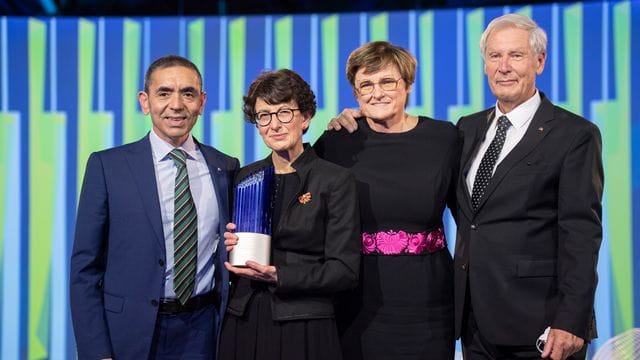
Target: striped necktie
485,170
185,231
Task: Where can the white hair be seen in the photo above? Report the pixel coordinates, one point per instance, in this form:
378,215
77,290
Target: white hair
537,36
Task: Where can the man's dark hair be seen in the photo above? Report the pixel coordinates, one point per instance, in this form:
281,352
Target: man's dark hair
166,62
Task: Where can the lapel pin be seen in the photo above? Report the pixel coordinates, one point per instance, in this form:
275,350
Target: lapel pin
304,198
541,129
219,169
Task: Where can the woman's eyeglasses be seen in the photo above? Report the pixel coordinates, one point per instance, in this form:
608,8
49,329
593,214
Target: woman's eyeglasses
386,84
285,116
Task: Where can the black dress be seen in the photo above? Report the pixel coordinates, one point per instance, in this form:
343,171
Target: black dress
403,308
255,335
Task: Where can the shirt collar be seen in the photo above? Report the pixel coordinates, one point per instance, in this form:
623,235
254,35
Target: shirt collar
523,113
161,148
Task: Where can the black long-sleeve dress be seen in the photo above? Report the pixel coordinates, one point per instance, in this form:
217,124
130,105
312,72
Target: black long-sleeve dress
403,308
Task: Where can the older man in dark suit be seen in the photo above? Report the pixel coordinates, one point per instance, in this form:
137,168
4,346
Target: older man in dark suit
529,221
147,274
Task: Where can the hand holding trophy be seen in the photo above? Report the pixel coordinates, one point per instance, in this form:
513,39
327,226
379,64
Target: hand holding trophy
252,217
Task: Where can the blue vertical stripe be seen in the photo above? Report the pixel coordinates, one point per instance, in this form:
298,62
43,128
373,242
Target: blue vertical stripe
268,42
4,67
363,28
413,48
222,71
605,52
603,304
314,54
101,66
53,64
182,37
146,44
59,262
58,284
460,59
555,51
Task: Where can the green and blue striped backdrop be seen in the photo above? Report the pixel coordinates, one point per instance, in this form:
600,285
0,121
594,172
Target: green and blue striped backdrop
68,87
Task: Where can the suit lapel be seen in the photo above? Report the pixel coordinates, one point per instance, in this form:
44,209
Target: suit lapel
141,166
541,125
219,179
475,137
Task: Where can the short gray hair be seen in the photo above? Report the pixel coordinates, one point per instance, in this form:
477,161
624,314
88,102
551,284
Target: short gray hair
537,36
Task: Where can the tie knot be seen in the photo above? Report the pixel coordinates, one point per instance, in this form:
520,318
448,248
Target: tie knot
179,157
503,123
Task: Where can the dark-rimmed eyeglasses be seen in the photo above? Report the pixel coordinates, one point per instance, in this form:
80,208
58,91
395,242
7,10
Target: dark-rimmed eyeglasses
285,116
386,84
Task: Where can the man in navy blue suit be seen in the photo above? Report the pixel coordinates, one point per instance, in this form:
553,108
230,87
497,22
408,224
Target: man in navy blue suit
124,302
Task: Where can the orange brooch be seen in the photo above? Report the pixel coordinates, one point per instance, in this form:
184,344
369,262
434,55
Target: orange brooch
304,198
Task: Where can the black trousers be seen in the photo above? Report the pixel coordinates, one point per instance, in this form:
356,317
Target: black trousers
476,347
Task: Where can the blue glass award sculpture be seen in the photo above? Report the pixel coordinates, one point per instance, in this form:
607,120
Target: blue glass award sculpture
252,216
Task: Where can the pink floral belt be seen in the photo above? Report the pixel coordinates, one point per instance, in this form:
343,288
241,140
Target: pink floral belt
401,242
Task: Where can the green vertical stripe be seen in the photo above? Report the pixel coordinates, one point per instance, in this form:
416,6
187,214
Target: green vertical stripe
196,55
573,60
283,48
330,77
8,124
379,27
45,133
475,69
135,123
229,125
425,66
526,11
283,37
615,118
95,129
284,43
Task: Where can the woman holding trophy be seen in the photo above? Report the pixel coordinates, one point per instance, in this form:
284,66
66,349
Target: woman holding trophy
282,307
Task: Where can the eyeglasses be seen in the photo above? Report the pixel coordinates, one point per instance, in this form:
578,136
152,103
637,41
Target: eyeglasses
386,84
285,116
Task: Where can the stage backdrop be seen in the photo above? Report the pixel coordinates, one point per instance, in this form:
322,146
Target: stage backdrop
68,87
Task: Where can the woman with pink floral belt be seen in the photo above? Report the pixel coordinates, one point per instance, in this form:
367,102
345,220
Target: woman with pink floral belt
405,167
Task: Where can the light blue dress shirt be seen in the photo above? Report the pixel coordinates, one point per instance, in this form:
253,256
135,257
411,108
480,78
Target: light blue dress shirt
204,197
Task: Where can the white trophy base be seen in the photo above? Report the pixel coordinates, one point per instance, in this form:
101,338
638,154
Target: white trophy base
251,246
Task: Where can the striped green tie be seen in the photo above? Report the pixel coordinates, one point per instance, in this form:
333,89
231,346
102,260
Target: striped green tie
185,231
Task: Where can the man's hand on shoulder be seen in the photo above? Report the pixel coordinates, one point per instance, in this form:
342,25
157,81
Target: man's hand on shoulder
561,344
346,119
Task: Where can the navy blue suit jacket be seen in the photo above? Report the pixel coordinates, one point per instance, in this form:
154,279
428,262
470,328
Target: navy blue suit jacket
118,258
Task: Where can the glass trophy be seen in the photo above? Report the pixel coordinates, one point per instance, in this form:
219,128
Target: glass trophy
252,216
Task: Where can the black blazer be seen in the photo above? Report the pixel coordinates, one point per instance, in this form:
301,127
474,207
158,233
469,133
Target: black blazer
528,255
317,252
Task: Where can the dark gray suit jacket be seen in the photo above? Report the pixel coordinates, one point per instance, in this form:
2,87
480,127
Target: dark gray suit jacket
528,255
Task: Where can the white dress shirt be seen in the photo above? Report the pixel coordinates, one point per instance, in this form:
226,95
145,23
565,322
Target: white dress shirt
204,197
520,119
